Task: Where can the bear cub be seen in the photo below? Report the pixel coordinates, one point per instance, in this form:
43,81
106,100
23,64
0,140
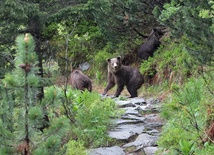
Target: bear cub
80,81
123,76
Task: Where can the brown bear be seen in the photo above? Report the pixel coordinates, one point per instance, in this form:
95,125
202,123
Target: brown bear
80,81
151,44
123,76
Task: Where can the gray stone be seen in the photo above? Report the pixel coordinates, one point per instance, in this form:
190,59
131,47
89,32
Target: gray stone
156,125
138,101
123,104
143,140
141,108
131,110
150,150
152,132
152,101
84,66
124,132
149,109
133,117
127,121
115,150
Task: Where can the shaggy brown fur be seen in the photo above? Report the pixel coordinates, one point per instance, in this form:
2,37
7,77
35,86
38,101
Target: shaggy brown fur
80,81
123,76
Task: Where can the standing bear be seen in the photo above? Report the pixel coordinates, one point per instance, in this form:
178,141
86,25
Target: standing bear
151,44
123,76
80,81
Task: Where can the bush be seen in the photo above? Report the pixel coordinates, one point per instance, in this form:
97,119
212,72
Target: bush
170,63
89,115
75,147
92,118
186,112
207,150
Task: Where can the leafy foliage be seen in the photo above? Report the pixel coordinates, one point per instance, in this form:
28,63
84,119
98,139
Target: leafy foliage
93,130
89,25
30,126
188,18
75,147
170,62
25,118
186,114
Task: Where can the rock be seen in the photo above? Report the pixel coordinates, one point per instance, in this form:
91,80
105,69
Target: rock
150,150
152,101
84,66
125,132
137,101
123,104
137,130
142,141
131,110
127,121
115,150
153,121
133,117
151,131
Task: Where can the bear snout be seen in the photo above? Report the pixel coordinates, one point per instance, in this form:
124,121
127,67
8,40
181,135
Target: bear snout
115,68
115,65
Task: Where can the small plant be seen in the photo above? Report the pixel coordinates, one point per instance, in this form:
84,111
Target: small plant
186,147
98,77
75,148
207,150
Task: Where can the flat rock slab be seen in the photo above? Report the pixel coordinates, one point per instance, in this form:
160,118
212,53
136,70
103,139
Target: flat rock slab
153,121
142,141
153,132
127,121
130,110
133,117
124,132
137,101
123,104
115,150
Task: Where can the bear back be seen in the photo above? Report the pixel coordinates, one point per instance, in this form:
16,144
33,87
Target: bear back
80,81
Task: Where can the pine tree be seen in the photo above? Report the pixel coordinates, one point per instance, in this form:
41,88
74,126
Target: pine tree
22,116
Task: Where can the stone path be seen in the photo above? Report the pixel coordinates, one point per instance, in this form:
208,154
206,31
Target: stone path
138,129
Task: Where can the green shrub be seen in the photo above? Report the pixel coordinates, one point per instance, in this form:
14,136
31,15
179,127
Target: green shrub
75,148
207,150
92,118
89,114
186,112
170,62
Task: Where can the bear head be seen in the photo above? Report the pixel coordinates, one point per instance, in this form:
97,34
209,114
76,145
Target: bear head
114,64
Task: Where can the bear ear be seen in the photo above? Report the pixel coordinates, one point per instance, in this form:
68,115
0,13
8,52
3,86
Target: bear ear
108,60
119,57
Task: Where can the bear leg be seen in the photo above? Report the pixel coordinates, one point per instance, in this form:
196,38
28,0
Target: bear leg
108,87
132,91
119,90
